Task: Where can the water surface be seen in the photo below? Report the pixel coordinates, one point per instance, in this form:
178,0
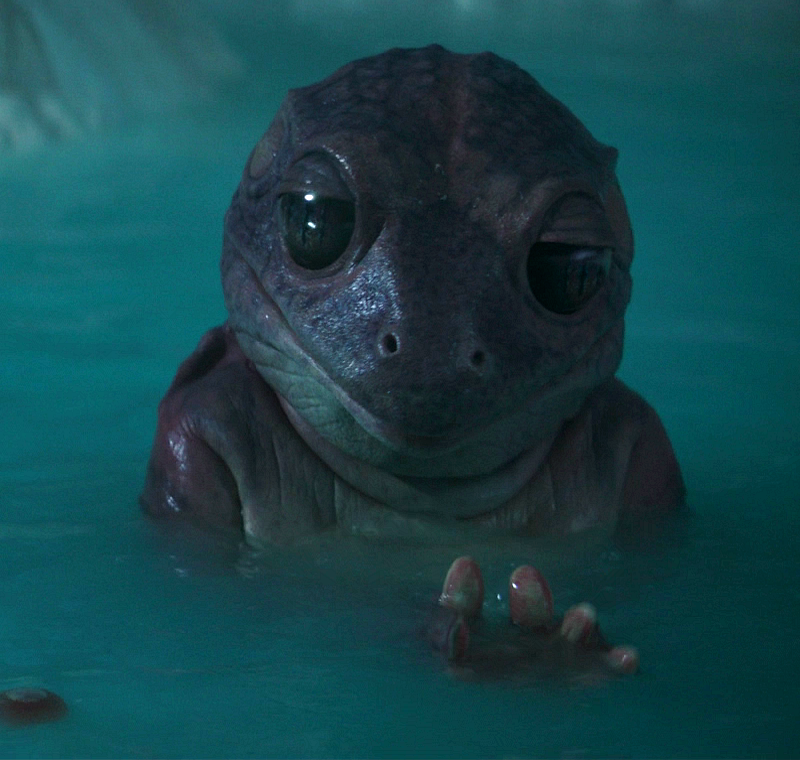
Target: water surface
182,647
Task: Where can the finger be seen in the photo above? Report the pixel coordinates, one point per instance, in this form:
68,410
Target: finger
448,633
463,587
623,659
579,623
529,598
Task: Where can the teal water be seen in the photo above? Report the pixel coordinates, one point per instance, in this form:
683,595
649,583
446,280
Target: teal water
181,647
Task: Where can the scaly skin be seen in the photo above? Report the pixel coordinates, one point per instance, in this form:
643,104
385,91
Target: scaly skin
432,375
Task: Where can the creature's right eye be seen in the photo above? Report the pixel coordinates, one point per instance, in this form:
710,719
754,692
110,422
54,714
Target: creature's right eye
316,229
563,278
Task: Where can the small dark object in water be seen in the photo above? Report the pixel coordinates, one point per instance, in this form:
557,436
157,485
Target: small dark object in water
31,705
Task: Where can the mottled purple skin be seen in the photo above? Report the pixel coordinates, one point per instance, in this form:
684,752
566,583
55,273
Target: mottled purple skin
416,384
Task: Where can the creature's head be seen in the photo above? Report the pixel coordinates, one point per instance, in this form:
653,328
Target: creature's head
428,259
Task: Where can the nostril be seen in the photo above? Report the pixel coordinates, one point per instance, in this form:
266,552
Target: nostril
477,359
389,343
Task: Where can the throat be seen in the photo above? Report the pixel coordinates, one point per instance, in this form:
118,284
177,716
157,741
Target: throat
447,497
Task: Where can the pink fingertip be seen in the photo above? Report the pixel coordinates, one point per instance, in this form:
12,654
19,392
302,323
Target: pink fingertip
463,587
623,659
530,599
579,623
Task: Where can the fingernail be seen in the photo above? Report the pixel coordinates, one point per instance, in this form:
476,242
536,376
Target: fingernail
463,587
530,599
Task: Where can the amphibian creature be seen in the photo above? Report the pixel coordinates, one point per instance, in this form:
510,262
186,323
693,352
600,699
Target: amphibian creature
426,267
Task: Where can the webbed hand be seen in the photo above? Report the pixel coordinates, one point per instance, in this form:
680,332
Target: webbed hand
535,641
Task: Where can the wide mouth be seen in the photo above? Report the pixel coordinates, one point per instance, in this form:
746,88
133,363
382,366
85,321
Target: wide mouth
399,439
392,435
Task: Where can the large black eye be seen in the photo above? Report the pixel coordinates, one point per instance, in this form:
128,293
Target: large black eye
564,277
316,230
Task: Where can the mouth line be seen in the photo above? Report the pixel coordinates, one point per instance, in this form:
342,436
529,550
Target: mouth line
375,427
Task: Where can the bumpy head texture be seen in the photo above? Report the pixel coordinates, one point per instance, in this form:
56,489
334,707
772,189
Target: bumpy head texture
428,258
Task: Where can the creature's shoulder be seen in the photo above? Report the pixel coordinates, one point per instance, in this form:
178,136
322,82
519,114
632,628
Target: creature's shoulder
622,419
202,419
